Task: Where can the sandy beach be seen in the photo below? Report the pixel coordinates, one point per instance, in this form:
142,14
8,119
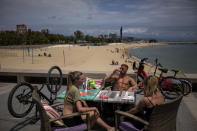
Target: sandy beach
71,57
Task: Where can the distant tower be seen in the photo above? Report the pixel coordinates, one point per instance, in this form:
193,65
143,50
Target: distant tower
121,33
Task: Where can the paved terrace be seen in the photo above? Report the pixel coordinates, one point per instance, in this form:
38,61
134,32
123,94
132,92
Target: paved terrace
186,119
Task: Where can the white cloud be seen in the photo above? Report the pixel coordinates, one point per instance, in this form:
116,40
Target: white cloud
96,17
135,30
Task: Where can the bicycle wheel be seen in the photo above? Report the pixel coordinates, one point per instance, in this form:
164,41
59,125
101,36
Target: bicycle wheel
187,86
54,79
20,100
171,87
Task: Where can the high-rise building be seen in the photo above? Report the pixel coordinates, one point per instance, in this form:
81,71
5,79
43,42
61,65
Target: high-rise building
21,28
45,31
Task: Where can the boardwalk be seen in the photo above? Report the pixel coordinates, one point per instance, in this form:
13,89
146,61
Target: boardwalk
186,120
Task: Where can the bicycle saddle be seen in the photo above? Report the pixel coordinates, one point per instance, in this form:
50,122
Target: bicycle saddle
163,70
175,71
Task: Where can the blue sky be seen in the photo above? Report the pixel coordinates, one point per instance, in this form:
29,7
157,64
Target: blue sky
174,20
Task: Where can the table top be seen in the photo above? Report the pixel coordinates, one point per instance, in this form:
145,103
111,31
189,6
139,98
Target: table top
105,96
123,97
89,95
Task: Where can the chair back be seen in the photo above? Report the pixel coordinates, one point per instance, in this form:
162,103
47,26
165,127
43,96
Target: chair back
44,119
107,85
163,117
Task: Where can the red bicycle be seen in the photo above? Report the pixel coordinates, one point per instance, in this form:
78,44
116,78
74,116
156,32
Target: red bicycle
170,86
141,74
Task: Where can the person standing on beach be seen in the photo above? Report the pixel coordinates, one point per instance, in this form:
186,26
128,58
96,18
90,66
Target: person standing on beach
122,82
73,103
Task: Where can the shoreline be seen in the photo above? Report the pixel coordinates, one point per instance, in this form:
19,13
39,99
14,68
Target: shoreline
82,58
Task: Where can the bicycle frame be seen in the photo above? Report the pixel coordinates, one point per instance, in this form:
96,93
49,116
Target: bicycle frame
141,74
50,100
43,96
167,85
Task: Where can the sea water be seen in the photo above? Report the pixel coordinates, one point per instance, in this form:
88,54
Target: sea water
180,56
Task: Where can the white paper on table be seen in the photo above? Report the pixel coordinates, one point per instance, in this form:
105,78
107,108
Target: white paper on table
128,97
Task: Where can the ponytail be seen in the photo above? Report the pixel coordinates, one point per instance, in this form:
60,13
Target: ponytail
71,77
151,86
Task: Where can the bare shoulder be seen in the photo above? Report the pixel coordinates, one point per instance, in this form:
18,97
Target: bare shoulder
141,104
160,96
129,77
143,100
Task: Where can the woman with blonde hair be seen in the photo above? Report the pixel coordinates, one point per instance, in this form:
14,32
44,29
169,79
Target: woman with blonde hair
152,96
73,103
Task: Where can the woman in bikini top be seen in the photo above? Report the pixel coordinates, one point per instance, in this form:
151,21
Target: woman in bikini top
152,96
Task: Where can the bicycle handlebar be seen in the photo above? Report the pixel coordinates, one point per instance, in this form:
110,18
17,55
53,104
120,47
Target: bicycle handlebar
159,65
141,64
143,60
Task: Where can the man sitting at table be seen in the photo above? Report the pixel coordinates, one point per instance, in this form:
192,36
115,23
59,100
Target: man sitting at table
122,82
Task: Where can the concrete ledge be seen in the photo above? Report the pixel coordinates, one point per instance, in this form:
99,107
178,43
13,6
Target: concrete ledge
39,76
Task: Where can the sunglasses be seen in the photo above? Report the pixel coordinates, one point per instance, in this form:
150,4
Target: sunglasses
121,68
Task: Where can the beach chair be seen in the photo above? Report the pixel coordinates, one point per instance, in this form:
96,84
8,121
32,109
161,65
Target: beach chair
48,124
163,118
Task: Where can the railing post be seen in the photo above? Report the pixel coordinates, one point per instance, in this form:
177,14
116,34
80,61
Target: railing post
20,78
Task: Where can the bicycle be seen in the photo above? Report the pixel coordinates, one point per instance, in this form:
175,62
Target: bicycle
171,87
172,84
140,74
187,86
20,101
